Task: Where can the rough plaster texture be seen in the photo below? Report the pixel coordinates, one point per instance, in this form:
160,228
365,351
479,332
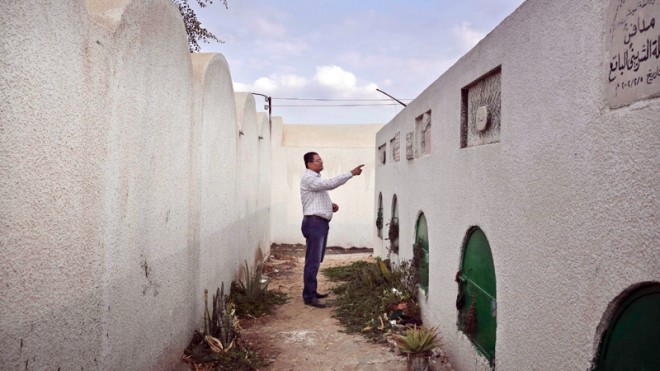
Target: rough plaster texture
342,148
119,198
251,214
567,198
213,201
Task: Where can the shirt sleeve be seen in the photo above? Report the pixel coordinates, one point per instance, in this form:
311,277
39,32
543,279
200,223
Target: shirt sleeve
311,183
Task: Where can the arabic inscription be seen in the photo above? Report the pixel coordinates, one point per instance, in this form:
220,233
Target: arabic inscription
633,41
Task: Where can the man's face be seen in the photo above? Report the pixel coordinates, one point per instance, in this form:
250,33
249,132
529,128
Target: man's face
316,164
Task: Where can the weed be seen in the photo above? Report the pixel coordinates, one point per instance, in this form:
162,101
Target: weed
251,296
373,298
218,347
418,340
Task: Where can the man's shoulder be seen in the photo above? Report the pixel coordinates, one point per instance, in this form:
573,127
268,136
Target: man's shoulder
310,174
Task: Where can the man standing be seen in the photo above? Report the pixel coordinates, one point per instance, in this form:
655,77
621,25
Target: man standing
317,211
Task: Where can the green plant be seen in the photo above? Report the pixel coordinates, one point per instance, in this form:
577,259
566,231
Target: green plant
379,220
218,347
345,272
224,324
418,340
374,298
253,286
251,296
393,235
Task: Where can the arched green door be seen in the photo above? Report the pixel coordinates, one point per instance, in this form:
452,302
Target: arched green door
421,252
477,294
632,340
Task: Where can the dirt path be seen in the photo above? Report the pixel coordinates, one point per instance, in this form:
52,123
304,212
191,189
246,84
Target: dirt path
299,337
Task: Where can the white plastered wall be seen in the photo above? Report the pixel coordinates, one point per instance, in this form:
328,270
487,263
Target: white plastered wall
215,132
342,147
118,184
264,183
567,198
247,169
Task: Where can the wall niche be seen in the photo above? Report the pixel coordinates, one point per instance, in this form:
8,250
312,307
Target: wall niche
382,154
480,110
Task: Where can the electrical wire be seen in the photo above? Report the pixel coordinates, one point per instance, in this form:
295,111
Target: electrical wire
336,105
338,100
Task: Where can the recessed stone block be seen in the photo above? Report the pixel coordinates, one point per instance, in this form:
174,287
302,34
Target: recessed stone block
423,133
410,142
395,146
480,110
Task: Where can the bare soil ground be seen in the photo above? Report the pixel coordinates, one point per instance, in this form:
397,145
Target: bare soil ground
300,337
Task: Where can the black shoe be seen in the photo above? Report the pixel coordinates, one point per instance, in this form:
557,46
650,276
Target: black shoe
315,303
321,296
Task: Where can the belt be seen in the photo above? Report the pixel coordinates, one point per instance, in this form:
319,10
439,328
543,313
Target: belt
316,216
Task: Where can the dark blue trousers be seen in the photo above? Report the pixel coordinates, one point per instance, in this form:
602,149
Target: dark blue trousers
315,229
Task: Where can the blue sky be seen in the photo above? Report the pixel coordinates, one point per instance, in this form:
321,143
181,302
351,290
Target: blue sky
344,50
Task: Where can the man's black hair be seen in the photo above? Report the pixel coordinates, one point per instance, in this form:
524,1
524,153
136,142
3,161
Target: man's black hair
309,157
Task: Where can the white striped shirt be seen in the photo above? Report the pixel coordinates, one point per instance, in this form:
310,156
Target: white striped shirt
314,192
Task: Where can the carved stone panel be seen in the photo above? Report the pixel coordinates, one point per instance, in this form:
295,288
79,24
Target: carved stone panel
633,50
480,110
423,131
395,145
410,139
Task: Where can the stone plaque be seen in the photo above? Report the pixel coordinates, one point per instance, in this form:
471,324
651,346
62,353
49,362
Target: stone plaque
480,110
633,51
482,118
423,130
409,145
395,145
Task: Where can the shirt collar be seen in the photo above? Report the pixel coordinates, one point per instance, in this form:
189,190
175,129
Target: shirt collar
312,172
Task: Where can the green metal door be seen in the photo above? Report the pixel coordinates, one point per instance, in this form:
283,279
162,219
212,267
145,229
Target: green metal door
632,340
421,252
478,313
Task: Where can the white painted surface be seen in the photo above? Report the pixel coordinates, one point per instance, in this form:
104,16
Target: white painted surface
567,198
119,200
342,148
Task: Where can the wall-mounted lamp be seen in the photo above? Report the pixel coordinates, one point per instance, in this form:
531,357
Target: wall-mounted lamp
268,106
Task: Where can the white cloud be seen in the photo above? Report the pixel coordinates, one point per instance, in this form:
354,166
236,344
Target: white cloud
265,84
328,82
273,84
466,36
335,77
293,81
343,83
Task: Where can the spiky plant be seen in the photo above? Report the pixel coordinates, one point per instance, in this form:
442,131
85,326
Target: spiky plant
252,286
418,341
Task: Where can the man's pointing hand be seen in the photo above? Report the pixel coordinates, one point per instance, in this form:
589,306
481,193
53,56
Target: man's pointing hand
357,170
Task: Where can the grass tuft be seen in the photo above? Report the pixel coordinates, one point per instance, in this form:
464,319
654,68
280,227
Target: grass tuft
375,299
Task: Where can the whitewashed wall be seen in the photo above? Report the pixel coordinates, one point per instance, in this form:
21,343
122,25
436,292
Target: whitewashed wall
119,201
342,147
263,198
567,198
